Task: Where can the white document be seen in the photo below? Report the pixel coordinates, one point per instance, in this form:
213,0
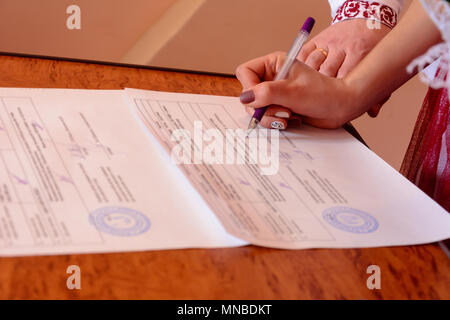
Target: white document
78,174
330,190
89,171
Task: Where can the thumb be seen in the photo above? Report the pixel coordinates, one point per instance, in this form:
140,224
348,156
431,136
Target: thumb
265,93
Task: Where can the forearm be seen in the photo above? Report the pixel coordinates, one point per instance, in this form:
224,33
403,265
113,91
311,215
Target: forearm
384,69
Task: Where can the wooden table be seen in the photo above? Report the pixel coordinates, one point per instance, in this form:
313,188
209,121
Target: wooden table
414,272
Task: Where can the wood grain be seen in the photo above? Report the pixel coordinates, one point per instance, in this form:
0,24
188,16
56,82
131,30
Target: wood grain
414,272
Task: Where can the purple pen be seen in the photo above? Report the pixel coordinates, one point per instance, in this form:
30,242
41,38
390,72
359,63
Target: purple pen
290,58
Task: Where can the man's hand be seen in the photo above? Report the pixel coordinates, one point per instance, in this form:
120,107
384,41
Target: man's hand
346,43
339,48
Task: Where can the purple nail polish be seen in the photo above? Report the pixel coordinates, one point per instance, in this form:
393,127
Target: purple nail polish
247,97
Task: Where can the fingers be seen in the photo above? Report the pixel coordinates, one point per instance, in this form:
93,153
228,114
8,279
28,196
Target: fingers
248,78
295,121
351,60
248,75
307,49
327,61
273,122
278,112
273,111
316,58
322,123
277,117
257,70
267,93
333,63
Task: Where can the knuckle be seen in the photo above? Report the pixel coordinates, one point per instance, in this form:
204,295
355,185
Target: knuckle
238,70
278,54
361,46
302,56
334,42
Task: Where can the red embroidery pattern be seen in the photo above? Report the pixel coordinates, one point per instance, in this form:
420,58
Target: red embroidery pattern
367,10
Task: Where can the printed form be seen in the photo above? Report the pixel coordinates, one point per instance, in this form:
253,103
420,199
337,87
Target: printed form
78,175
90,171
329,191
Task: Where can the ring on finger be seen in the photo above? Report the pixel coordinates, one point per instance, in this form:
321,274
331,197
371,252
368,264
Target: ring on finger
323,51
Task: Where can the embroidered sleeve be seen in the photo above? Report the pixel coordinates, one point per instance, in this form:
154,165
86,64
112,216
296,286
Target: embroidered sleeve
439,12
369,10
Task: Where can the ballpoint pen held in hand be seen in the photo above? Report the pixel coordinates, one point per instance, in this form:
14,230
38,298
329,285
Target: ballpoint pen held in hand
299,41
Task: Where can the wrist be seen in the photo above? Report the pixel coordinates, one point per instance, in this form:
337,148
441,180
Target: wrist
356,98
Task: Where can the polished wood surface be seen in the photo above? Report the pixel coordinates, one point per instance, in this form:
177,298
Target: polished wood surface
413,272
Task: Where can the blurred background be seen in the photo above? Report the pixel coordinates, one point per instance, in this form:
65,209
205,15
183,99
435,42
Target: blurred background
200,35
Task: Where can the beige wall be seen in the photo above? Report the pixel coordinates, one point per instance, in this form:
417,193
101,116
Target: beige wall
108,27
389,134
223,34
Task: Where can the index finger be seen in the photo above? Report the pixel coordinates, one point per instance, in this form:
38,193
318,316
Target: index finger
257,70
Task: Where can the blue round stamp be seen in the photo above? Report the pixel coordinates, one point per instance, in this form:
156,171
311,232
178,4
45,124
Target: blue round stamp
350,220
119,221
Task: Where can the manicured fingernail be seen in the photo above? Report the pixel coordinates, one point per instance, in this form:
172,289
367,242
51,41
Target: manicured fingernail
282,114
247,97
277,125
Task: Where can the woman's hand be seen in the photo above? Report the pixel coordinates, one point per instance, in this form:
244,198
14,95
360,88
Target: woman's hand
320,100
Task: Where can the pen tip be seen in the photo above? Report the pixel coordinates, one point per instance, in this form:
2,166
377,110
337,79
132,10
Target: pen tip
252,125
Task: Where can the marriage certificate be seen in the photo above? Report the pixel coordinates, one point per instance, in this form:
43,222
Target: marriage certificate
94,171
